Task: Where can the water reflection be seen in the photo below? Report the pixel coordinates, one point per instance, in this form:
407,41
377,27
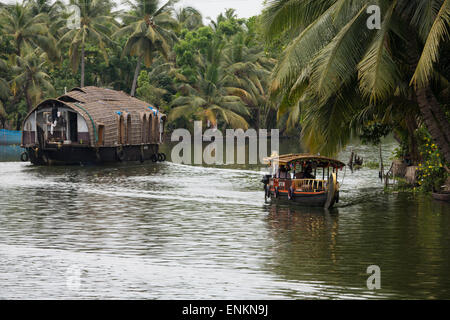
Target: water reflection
407,236
166,230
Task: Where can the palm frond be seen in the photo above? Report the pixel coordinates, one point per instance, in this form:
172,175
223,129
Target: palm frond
430,54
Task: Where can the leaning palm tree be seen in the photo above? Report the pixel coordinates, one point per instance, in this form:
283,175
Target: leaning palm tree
30,79
28,29
96,20
148,30
336,64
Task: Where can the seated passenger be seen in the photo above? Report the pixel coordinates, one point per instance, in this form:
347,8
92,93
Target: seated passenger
300,175
308,173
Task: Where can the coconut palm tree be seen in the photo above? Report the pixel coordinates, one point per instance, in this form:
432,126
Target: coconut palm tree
56,12
248,70
28,29
96,20
210,103
159,84
148,28
210,99
189,18
335,65
30,78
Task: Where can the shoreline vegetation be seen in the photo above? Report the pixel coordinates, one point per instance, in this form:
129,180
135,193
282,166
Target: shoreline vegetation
312,69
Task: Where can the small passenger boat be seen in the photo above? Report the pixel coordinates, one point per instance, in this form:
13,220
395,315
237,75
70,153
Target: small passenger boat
295,179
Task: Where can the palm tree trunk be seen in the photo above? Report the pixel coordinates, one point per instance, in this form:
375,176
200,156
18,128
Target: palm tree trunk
136,74
28,99
258,118
430,109
435,120
413,147
82,65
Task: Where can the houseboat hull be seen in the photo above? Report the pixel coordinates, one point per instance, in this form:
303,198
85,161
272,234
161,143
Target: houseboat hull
70,155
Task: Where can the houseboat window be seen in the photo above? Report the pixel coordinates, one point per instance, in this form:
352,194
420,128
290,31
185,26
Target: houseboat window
83,131
150,126
28,132
161,129
155,132
128,129
121,130
144,129
101,133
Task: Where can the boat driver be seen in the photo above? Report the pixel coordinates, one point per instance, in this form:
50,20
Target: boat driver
283,172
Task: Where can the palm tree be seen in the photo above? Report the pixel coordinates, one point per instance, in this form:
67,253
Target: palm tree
159,84
210,103
96,20
335,52
56,12
28,29
30,78
148,30
210,99
189,18
248,69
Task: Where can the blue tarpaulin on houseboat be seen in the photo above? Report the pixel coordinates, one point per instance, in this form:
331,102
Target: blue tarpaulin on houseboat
10,137
10,152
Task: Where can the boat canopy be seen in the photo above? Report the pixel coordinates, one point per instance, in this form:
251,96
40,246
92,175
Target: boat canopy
304,159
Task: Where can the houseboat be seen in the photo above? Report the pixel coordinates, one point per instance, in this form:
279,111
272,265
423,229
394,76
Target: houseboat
296,179
92,125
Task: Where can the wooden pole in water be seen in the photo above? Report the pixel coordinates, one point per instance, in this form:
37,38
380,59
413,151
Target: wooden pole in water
381,165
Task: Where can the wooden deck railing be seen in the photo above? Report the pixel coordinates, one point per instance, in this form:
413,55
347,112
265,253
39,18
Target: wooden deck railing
303,185
312,185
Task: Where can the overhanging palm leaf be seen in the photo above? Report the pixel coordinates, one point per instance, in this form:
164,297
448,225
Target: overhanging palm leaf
439,31
378,73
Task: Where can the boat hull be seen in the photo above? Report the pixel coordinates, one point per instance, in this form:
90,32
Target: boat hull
70,155
441,196
306,199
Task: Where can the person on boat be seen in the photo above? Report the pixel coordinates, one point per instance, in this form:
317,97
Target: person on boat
283,173
308,173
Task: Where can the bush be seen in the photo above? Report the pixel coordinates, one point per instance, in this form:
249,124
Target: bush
431,172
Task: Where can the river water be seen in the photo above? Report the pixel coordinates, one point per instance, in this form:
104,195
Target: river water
171,231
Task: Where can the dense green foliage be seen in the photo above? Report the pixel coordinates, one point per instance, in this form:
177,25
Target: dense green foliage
337,76
431,173
218,73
